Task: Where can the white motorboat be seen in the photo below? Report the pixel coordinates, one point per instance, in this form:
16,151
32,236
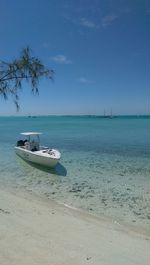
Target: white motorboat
30,150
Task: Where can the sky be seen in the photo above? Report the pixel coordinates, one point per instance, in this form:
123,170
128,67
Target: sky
99,50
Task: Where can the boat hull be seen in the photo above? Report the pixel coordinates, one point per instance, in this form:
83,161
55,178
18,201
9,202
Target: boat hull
37,157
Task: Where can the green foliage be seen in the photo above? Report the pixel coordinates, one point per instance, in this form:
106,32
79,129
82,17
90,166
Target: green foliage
27,68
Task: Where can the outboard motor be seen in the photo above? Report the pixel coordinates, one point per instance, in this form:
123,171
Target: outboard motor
20,143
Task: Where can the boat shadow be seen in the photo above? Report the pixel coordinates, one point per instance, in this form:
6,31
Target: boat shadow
59,170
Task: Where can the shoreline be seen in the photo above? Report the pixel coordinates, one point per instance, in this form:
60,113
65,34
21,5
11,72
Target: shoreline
35,230
114,220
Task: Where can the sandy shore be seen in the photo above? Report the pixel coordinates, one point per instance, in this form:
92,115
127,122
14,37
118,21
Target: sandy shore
38,232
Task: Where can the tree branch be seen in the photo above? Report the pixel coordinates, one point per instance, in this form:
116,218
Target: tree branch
27,68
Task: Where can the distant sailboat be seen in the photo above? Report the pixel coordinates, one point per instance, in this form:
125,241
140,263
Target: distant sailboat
108,116
111,114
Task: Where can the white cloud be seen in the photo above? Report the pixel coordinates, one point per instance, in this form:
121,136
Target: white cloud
84,80
61,59
87,23
108,20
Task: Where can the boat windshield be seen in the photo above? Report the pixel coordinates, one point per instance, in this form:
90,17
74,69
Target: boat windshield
31,141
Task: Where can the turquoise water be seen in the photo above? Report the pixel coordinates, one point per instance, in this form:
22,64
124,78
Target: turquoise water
104,169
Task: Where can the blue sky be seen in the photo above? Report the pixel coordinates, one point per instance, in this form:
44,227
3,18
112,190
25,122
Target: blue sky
99,50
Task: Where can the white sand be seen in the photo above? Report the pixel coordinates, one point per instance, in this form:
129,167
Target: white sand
34,231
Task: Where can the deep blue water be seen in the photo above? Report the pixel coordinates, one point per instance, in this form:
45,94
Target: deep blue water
105,165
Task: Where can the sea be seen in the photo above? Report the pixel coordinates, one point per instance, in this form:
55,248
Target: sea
104,167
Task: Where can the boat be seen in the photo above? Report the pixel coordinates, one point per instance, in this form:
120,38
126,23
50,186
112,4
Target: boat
108,116
31,150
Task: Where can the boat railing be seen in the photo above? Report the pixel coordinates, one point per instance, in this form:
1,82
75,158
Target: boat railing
43,147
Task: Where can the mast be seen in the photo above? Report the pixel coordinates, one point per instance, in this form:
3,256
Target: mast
104,113
111,113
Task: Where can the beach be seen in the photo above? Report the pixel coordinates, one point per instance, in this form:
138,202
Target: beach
93,208
104,167
75,133
36,231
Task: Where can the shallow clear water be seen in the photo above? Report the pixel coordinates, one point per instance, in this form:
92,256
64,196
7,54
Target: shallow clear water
105,164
